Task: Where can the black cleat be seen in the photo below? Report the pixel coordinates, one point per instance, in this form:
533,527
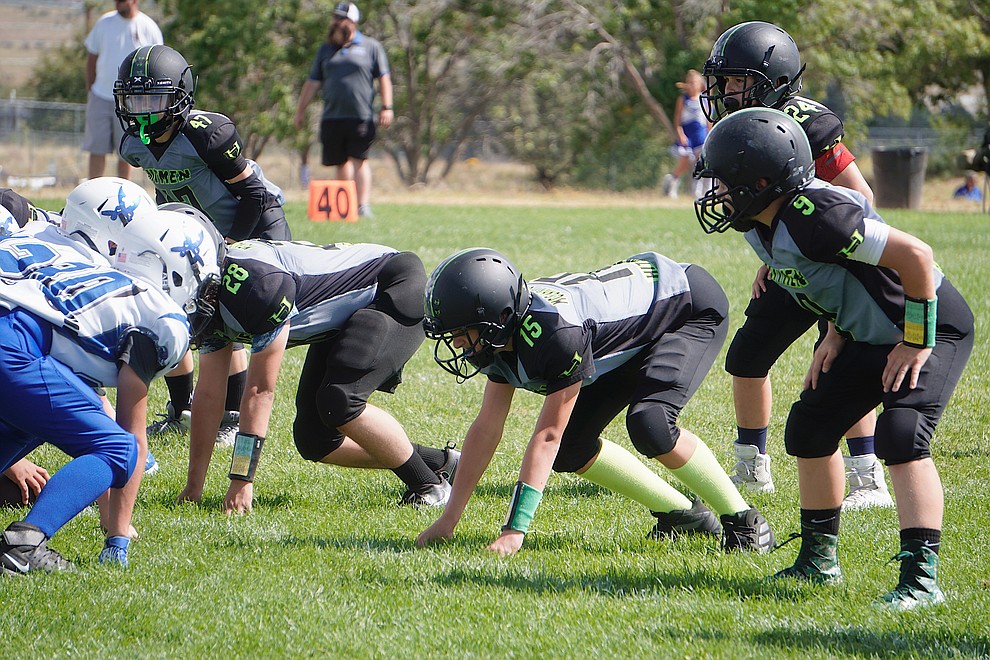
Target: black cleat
746,530
24,549
430,495
697,520
452,458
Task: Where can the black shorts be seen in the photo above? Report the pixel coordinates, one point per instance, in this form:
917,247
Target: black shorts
368,354
774,321
664,376
343,139
853,387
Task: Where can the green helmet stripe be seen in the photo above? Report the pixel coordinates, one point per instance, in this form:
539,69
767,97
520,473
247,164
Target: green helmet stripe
139,64
729,35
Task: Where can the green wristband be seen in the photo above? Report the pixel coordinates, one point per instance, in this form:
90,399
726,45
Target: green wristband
920,316
522,508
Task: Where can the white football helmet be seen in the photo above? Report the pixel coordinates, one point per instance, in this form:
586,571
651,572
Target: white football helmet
98,210
175,253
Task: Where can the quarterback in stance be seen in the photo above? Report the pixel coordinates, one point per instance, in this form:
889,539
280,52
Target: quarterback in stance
899,334
640,334
359,308
757,64
193,157
69,323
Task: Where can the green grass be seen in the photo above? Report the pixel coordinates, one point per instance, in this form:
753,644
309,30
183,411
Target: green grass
326,564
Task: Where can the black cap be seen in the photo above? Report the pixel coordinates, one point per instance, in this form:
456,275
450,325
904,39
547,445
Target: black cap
18,206
259,303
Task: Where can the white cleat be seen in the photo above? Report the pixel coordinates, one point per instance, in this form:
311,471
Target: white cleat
752,469
867,488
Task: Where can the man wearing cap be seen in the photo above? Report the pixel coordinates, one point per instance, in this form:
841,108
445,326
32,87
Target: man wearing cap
346,67
359,308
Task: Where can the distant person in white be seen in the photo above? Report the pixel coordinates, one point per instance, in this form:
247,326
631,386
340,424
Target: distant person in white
114,36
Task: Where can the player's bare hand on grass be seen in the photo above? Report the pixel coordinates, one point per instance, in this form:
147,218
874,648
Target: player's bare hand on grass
901,360
508,543
239,496
190,494
438,532
824,356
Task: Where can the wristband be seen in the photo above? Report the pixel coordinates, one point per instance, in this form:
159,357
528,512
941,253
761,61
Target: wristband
920,316
522,507
247,453
386,107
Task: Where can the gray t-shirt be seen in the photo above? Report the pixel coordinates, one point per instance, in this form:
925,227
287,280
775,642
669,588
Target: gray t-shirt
348,76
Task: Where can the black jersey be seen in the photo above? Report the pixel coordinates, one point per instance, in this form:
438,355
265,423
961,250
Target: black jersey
582,325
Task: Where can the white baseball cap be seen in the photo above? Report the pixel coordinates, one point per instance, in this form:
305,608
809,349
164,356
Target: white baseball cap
347,10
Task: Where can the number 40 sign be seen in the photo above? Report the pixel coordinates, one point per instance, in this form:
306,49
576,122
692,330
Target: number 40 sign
332,201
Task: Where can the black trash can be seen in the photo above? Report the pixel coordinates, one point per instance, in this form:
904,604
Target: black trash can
899,176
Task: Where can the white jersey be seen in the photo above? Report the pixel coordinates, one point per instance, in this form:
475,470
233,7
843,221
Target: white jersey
97,314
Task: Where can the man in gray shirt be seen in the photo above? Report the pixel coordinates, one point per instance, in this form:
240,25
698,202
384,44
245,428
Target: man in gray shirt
346,67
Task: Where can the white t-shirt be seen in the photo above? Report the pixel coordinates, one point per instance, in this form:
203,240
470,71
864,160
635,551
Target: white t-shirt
112,39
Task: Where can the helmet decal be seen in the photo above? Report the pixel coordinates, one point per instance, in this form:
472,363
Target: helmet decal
190,250
123,212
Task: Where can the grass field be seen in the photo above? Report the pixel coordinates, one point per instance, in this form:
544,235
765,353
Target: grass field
327,566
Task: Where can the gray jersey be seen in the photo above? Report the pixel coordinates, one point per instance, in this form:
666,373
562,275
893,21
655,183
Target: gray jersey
348,77
823,249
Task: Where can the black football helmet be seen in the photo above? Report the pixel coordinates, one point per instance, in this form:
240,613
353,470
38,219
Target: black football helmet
153,91
761,51
477,289
744,148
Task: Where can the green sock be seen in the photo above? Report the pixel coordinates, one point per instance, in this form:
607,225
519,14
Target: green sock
705,476
621,472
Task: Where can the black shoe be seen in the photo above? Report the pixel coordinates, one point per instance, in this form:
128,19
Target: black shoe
746,530
697,520
452,457
431,495
24,549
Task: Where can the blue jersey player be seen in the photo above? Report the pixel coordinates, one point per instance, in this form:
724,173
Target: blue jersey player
899,334
638,335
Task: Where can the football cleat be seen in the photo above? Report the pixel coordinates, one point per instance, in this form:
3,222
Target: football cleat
115,551
452,457
918,584
817,561
746,530
170,422
697,520
150,465
24,549
752,469
230,425
430,495
867,488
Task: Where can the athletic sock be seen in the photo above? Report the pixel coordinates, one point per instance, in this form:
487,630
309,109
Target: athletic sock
823,521
434,458
932,538
69,491
415,473
704,475
180,390
756,437
860,446
621,472
235,390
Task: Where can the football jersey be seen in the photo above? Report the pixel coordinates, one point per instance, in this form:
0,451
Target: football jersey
96,312
194,165
582,325
825,132
331,282
823,248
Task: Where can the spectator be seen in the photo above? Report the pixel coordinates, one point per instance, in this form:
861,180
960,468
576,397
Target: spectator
692,127
115,34
346,67
969,189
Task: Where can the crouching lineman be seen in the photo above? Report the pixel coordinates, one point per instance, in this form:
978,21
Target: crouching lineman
640,334
899,334
69,323
360,310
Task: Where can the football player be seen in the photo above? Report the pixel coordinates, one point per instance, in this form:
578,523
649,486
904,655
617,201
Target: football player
899,334
757,64
69,323
640,334
194,157
359,308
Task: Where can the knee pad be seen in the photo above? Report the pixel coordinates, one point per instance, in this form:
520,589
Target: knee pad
576,450
742,361
903,435
121,457
652,428
808,436
314,442
337,406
